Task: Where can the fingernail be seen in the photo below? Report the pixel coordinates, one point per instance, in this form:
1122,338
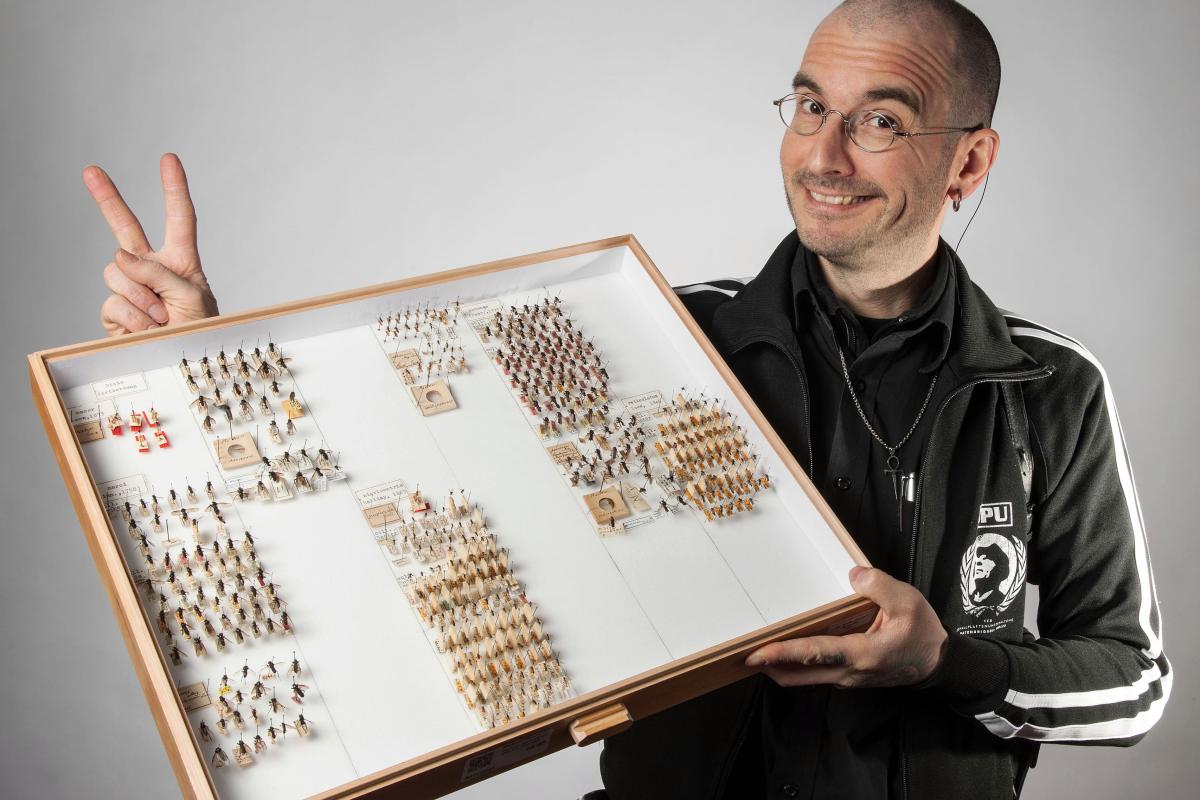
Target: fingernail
755,660
123,253
158,313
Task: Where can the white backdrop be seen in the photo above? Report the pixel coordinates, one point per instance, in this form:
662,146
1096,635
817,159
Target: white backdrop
335,145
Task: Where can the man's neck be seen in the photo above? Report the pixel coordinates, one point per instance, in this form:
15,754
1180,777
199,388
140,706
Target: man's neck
882,291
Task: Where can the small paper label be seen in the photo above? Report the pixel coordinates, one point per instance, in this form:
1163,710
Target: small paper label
81,415
480,314
406,358
89,432
193,696
381,493
563,452
645,402
122,384
633,522
505,755
635,499
116,492
382,514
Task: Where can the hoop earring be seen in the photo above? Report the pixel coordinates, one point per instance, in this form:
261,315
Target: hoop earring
957,202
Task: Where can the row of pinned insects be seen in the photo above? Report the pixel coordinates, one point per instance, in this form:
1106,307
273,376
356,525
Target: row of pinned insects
230,716
256,365
278,475
224,578
292,408
549,364
475,610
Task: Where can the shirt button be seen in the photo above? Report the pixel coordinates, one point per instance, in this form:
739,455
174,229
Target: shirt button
790,790
860,386
842,482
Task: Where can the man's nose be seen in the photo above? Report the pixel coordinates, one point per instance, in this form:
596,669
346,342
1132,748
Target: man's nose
831,146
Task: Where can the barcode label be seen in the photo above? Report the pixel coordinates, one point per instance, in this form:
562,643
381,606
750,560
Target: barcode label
503,756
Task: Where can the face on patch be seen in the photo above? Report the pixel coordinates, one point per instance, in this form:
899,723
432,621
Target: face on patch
852,206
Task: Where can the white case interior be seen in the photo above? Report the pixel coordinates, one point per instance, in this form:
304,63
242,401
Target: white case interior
614,605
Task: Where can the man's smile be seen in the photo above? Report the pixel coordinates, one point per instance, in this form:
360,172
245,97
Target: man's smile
833,201
837,199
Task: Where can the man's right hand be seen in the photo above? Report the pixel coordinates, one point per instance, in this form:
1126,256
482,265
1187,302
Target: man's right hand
152,287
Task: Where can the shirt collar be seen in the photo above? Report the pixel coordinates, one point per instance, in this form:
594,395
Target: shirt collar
934,312
764,311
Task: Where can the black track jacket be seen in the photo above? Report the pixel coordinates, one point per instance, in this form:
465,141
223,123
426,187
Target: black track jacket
1095,674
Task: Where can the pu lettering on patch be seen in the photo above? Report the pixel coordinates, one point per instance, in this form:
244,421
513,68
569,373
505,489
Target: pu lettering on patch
996,515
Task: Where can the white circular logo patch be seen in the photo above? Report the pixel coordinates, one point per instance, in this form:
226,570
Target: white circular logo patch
992,573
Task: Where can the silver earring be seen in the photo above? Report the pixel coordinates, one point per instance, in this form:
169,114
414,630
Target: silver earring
957,202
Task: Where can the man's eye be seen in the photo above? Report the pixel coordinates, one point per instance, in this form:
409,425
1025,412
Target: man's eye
877,120
810,106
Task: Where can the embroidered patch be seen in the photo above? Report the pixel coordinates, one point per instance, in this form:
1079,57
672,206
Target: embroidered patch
996,515
992,574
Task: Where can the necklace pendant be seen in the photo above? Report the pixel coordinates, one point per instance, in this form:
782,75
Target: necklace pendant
893,472
899,486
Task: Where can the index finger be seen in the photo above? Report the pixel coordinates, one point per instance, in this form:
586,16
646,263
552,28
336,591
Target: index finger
121,221
181,214
809,651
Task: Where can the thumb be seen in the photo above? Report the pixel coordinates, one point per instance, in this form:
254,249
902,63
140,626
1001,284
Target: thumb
879,587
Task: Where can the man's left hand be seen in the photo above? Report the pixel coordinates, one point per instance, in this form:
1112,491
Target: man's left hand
904,644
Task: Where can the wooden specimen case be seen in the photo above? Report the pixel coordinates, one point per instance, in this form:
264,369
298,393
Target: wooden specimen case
644,613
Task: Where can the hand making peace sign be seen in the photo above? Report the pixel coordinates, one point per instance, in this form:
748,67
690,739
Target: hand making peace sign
152,287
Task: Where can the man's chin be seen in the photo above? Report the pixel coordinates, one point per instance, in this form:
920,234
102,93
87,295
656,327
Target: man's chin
830,245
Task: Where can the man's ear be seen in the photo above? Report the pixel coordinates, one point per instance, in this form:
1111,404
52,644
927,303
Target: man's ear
974,159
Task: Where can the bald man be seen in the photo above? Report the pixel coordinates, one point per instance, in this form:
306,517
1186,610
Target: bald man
945,435
970,452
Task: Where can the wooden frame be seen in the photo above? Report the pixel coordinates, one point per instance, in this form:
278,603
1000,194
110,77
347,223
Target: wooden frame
581,720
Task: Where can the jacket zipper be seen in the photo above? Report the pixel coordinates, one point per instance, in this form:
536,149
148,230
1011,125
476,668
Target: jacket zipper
1016,377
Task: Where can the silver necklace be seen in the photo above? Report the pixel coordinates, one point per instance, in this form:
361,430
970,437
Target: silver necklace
899,480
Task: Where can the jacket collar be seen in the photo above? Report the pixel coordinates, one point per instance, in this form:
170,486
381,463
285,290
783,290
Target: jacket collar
932,316
764,310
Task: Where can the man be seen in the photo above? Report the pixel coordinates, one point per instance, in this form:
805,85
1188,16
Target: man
970,453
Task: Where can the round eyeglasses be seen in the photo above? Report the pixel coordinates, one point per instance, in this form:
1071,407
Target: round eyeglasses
873,131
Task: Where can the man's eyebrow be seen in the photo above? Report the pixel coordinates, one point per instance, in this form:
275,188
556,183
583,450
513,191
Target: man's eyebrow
895,93
882,93
804,80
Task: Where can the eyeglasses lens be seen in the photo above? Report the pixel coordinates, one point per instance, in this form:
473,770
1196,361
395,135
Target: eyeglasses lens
805,116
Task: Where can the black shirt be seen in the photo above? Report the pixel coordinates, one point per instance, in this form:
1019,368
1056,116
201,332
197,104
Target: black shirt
797,732
891,370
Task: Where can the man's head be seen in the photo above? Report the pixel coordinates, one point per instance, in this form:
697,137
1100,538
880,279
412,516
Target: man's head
927,64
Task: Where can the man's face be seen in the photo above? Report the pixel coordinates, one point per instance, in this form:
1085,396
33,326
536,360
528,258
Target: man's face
899,194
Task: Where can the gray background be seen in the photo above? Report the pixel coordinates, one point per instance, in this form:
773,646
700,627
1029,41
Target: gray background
330,147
